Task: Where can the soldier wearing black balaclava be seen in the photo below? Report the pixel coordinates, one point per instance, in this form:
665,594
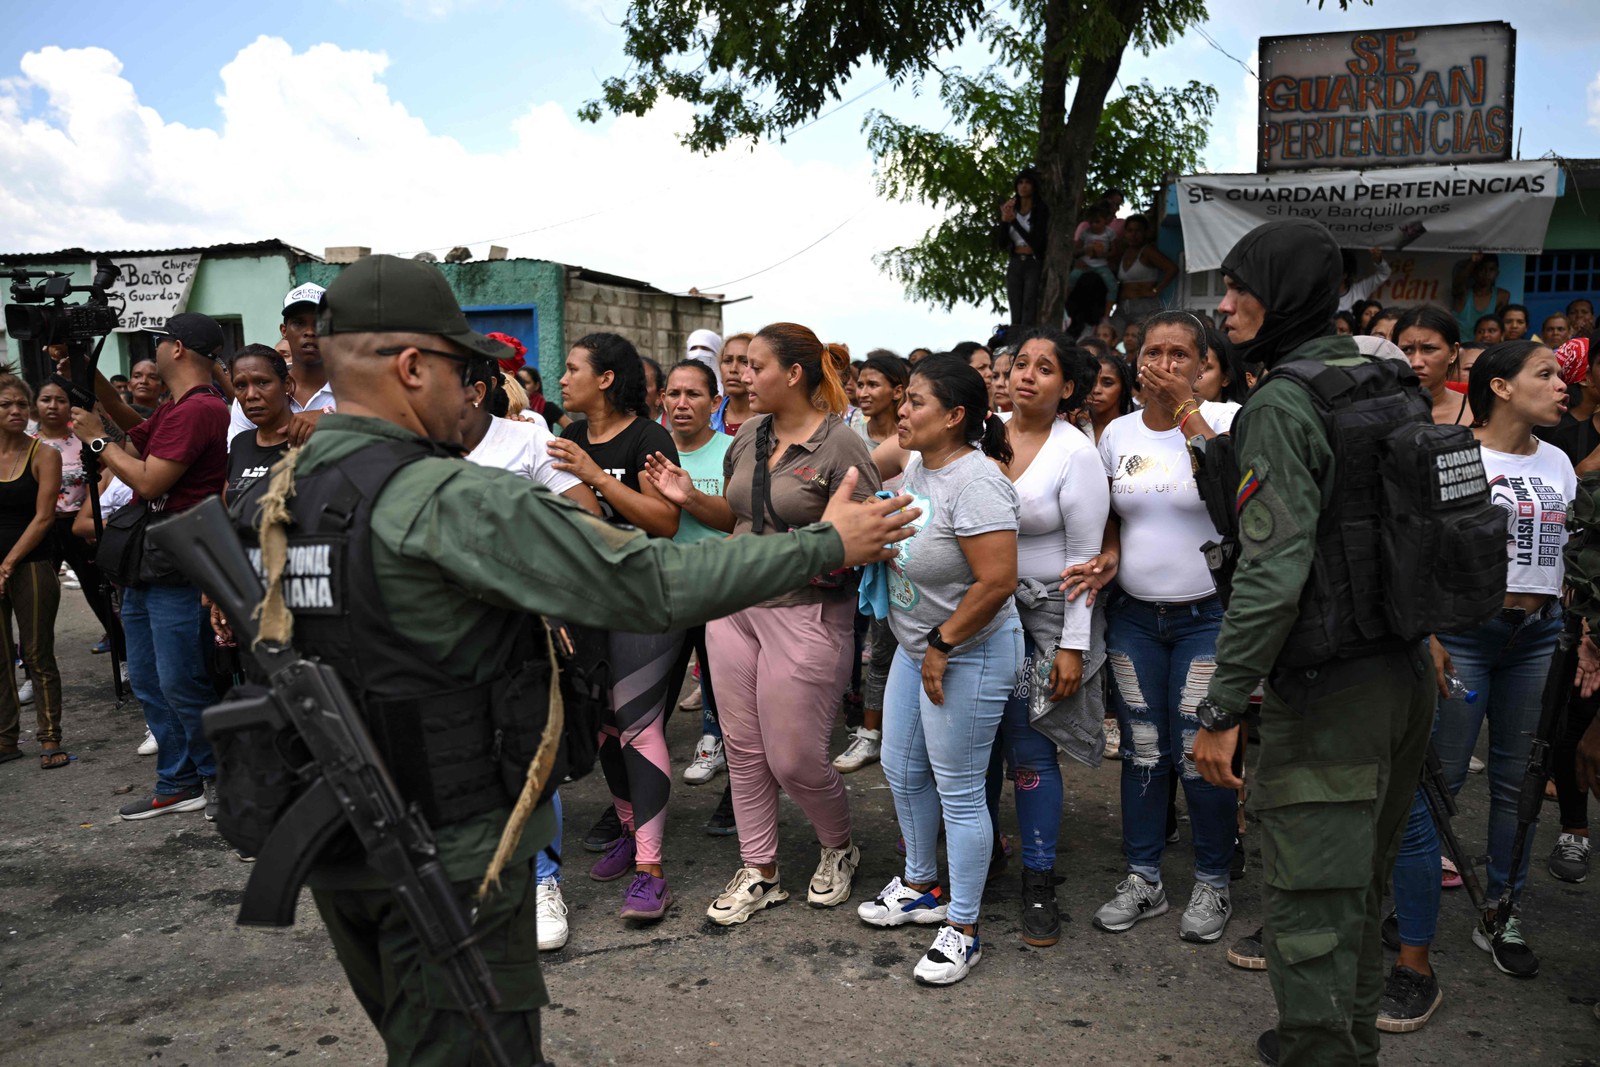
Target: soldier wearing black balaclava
1342,739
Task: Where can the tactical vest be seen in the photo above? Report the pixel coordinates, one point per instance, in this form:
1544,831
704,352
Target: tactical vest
455,748
1407,543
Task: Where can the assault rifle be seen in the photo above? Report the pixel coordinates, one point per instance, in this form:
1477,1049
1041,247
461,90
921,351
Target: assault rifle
349,784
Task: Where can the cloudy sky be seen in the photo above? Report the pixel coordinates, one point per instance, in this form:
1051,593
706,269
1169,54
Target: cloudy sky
408,125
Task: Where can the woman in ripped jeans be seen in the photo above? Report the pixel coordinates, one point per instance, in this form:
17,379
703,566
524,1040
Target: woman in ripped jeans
1162,621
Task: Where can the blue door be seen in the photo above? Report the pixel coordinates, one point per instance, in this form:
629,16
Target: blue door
519,320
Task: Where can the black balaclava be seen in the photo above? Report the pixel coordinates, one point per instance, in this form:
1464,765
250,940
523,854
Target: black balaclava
1294,268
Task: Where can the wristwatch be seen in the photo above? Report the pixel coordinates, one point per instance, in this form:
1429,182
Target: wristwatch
936,640
98,445
1212,717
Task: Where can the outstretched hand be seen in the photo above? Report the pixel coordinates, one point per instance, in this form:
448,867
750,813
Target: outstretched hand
670,480
869,528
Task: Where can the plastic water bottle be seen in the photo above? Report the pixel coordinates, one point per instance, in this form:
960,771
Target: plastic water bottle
1458,689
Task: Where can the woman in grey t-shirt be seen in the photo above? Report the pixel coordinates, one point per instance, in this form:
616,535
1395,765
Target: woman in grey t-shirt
960,649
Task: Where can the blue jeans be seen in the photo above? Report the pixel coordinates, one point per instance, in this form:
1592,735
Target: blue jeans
547,864
1036,772
1162,656
936,754
1506,660
167,632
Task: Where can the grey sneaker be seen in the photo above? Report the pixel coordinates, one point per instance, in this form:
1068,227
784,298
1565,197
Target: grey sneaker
1569,860
1206,916
210,786
1135,901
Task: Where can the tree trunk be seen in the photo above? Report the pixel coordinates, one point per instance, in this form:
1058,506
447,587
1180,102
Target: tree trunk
1066,139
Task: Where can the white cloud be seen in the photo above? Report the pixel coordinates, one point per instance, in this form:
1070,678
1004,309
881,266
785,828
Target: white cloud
314,149
1594,102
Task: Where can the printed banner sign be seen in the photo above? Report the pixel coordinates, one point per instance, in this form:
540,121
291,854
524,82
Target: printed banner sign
155,288
1397,97
1496,207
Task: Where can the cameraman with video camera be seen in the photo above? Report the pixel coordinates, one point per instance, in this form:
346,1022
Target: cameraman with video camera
172,460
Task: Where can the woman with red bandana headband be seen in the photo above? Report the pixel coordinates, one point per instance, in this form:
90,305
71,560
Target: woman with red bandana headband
516,367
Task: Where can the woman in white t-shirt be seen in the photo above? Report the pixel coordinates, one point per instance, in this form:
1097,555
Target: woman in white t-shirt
1061,490
492,440
1513,387
1162,625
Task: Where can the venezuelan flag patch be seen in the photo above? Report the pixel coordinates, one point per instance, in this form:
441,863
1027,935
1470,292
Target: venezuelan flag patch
1247,488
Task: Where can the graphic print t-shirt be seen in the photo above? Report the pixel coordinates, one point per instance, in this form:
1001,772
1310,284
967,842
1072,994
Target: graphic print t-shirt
248,462
1164,521
1534,491
623,456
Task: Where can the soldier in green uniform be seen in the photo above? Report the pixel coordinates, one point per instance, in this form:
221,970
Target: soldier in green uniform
443,562
1342,741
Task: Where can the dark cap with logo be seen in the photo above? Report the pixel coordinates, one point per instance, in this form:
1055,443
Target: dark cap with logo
387,294
197,332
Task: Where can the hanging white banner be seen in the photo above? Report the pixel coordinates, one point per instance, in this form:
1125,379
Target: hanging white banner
1493,207
154,289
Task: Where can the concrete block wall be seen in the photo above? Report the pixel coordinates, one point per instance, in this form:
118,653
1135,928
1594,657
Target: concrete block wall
658,324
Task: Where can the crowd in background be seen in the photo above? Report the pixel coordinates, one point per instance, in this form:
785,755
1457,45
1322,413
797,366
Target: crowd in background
1053,600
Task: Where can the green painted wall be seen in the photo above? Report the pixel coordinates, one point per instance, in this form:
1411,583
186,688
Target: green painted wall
247,288
492,283
1570,226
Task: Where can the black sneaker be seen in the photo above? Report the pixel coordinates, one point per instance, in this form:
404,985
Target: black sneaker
1511,954
721,823
604,833
191,799
1240,859
1041,917
1409,1000
1267,1048
1389,930
1248,953
209,786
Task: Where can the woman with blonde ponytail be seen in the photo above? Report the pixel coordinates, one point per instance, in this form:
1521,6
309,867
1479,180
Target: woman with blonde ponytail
786,661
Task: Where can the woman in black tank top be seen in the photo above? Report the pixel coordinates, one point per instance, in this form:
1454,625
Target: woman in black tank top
30,478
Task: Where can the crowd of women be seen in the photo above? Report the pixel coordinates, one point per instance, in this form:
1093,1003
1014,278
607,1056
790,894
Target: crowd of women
1054,599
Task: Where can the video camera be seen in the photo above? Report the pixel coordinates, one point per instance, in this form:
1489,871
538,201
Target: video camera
40,318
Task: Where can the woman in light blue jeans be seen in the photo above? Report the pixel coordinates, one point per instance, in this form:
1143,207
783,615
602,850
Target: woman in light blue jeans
950,606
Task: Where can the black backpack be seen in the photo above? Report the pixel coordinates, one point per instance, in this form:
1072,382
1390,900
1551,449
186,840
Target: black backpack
1411,545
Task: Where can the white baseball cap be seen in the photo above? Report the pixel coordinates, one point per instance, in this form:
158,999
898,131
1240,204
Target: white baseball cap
309,293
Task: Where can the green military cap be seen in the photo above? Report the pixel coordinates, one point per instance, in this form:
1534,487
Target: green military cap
1583,550
387,294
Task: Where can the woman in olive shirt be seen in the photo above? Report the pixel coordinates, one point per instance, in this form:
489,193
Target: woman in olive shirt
786,661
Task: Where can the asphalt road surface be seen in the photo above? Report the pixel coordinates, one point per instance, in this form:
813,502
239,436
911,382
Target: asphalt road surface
120,945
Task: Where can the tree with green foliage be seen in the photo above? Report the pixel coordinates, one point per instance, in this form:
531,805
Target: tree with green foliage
756,70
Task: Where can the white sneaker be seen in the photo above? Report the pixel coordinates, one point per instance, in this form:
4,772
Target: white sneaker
551,916
147,747
695,701
899,904
709,761
25,691
69,579
866,746
835,871
950,957
1474,765
747,894
122,669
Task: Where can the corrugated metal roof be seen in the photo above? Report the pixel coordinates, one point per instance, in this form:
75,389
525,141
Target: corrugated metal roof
233,248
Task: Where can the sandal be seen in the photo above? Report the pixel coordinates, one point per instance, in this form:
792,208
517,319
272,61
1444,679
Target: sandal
53,759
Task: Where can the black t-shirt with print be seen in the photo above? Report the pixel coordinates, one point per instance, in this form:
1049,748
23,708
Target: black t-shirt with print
623,456
248,462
